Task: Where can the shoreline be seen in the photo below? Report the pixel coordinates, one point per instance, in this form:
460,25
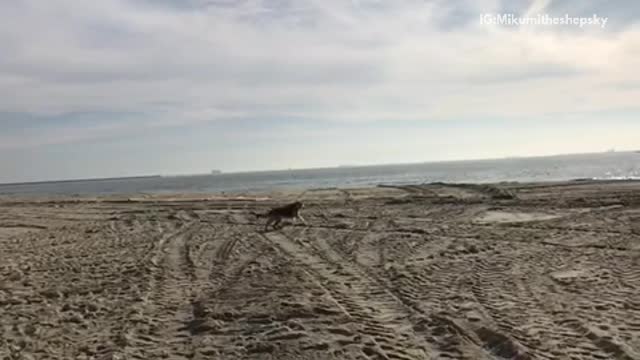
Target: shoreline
226,195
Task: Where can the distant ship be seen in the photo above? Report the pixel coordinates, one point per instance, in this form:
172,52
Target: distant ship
216,172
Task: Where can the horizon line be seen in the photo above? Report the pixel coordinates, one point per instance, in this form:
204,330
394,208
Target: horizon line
223,173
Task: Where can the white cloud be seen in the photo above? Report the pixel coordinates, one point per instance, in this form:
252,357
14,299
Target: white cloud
327,60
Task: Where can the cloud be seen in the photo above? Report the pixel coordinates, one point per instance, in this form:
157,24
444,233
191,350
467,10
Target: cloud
183,63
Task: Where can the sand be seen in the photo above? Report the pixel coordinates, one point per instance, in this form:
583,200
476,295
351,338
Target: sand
507,271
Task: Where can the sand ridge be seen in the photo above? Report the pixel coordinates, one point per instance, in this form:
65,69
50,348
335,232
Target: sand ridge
503,271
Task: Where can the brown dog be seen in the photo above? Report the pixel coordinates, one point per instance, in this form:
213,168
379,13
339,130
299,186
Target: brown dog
276,215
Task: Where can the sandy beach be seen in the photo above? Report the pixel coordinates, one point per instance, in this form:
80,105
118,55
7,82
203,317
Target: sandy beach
440,271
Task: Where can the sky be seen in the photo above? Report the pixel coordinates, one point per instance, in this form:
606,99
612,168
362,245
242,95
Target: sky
134,87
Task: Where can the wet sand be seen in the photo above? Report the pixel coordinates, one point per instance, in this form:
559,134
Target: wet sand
508,271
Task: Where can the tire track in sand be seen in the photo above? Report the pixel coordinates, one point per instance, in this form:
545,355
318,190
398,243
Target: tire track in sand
447,338
224,267
521,312
386,329
158,327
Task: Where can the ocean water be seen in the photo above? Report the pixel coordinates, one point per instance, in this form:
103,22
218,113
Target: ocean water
610,165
